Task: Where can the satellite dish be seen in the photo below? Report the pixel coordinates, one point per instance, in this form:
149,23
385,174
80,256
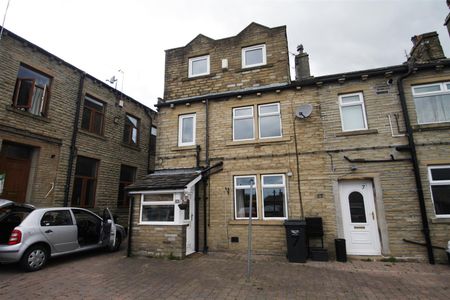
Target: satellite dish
303,111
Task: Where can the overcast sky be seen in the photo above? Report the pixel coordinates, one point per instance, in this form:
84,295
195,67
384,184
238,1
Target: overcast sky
103,36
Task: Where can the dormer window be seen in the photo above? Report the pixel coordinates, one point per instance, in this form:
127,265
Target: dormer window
254,56
199,66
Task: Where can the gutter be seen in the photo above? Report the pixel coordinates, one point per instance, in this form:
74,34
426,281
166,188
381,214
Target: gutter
412,148
73,149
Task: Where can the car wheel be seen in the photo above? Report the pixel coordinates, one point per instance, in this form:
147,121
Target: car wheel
34,258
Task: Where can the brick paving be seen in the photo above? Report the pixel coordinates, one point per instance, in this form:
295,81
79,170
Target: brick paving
100,275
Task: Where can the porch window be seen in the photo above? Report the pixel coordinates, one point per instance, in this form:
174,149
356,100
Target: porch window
439,178
274,196
432,102
158,208
85,182
93,115
31,91
242,197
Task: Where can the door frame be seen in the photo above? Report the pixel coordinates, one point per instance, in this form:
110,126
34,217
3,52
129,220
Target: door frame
375,178
367,229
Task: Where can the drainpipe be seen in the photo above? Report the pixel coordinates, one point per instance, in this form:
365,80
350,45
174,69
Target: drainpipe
412,147
73,149
130,225
205,181
149,154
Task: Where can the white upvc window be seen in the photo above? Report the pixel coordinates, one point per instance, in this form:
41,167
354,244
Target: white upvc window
353,112
199,66
439,178
243,124
254,56
242,193
274,198
269,121
432,102
186,130
158,209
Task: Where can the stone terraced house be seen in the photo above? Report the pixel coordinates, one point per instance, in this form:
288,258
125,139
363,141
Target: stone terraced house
367,151
67,138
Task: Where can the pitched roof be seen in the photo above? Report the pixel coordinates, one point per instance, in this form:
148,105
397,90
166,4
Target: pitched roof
167,179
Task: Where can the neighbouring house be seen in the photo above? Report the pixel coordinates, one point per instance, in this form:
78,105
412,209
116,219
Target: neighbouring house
367,151
67,138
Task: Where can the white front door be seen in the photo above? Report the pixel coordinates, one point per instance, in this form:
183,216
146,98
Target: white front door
359,217
189,218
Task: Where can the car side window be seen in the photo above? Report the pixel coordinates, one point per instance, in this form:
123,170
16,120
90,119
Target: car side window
83,217
56,218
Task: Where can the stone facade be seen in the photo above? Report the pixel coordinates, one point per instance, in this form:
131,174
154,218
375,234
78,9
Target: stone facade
50,135
327,155
234,76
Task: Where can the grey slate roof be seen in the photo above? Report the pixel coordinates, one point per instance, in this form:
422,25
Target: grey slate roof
167,179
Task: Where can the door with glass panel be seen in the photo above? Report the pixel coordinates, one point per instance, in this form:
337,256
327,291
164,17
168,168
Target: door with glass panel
359,217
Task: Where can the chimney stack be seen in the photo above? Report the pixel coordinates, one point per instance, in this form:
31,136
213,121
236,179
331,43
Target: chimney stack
426,48
302,64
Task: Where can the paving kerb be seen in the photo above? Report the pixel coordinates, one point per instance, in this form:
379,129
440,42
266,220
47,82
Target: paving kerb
97,275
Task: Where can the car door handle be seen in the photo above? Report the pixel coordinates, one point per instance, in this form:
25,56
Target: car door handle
49,231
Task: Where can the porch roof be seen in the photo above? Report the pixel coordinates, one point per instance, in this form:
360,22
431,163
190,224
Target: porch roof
166,179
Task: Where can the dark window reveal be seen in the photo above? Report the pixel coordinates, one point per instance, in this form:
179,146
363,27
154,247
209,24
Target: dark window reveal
85,182
357,210
31,92
127,177
93,116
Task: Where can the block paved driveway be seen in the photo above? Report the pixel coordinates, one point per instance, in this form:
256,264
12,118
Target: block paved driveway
100,275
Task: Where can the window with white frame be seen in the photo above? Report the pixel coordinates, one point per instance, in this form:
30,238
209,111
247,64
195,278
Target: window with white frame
186,130
269,120
244,186
254,56
439,177
243,123
432,102
274,196
199,66
353,112
158,208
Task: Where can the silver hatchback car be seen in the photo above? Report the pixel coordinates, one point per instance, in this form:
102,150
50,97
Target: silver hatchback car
31,236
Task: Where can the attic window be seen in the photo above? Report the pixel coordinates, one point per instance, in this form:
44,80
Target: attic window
199,66
254,56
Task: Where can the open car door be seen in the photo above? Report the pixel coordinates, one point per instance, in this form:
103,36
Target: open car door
109,230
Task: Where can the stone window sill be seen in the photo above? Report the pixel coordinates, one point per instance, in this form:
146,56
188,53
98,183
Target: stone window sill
100,137
199,77
136,148
440,220
183,148
357,132
27,114
429,127
241,70
259,141
257,222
